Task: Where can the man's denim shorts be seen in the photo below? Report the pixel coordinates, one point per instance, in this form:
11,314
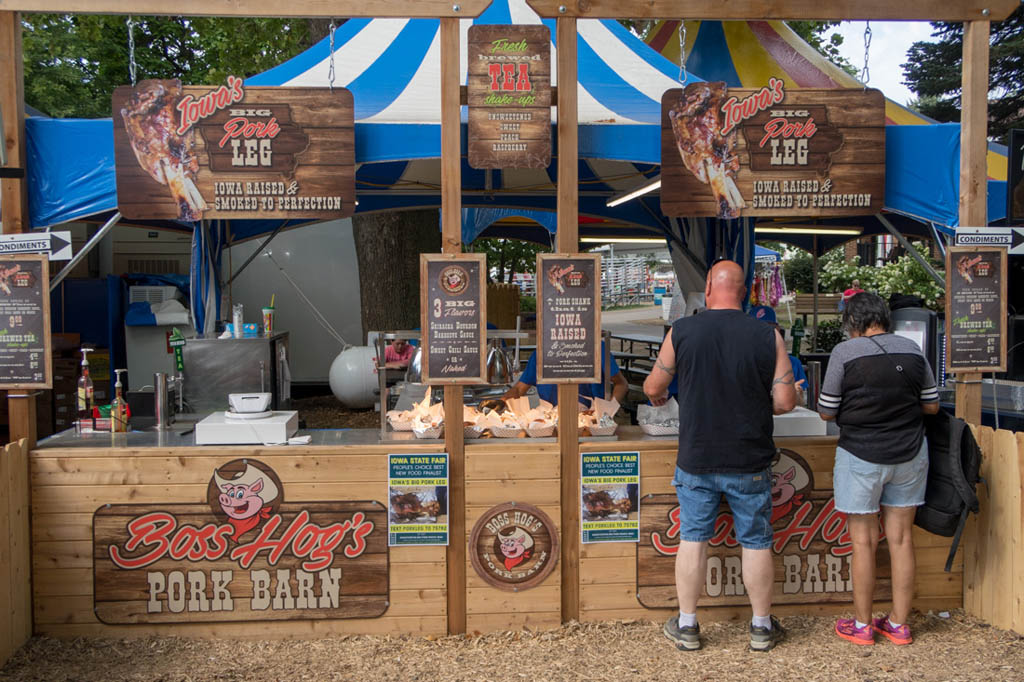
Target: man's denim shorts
749,497
862,486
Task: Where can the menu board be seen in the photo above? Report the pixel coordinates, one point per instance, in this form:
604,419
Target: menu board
508,88
25,322
568,318
975,309
194,152
740,152
453,317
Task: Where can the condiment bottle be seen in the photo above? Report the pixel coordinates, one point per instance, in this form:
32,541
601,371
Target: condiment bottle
119,411
85,391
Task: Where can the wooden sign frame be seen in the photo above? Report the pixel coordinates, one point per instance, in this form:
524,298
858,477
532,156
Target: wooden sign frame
1000,256
44,284
482,525
795,152
520,56
480,260
542,292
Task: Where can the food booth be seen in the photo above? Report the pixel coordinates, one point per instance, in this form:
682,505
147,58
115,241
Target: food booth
146,532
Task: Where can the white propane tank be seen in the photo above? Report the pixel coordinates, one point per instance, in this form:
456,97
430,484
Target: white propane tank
352,377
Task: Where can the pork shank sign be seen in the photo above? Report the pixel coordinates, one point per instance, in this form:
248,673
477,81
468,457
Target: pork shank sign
568,318
198,152
976,309
245,554
733,153
453,317
811,539
508,89
25,360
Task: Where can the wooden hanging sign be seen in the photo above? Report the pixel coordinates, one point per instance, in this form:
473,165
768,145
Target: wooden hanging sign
244,554
811,542
453,318
568,318
25,358
508,87
231,151
735,152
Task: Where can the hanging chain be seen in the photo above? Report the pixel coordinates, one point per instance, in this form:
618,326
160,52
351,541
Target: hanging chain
682,52
131,48
865,74
330,67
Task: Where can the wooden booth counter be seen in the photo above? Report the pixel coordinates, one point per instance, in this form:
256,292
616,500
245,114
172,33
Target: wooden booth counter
624,581
130,538
343,478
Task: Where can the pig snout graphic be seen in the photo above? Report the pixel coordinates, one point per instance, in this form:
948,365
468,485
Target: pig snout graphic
782,489
241,501
512,547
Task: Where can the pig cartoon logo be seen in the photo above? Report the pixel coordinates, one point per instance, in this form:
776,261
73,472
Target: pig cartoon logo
454,280
791,478
516,545
247,495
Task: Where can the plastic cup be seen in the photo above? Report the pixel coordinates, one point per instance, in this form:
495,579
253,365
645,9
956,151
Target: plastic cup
236,319
268,321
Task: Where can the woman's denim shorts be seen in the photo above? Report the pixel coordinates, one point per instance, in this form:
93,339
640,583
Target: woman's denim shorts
861,486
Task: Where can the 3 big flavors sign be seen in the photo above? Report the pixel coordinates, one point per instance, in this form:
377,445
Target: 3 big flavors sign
244,554
810,538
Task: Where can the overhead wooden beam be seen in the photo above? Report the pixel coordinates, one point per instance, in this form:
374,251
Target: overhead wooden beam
973,174
13,191
881,10
451,242
258,8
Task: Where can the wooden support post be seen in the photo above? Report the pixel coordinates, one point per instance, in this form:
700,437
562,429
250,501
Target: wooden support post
451,242
21,410
973,174
567,239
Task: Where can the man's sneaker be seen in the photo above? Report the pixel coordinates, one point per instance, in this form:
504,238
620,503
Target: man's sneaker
848,630
764,639
685,639
900,635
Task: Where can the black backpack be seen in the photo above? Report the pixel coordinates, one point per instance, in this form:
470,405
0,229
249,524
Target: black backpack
954,459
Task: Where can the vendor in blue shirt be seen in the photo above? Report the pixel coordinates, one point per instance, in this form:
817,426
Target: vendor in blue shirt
549,392
766,314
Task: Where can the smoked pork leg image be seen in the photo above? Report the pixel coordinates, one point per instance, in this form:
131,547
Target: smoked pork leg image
169,158
711,156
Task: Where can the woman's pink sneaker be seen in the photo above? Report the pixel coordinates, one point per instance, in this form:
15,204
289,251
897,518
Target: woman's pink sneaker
900,635
848,630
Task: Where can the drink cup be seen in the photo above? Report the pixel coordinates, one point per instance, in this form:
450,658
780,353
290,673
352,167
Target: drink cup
237,319
268,321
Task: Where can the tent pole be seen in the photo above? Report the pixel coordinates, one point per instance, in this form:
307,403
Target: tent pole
567,239
258,251
451,242
77,258
814,274
912,251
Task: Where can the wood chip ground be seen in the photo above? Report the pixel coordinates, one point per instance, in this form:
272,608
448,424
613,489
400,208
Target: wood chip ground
957,648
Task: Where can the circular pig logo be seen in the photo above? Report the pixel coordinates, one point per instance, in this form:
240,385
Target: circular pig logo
244,493
514,546
454,280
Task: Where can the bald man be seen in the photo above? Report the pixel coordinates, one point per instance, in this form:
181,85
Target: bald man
733,374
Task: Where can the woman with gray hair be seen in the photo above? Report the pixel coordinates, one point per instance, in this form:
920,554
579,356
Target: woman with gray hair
878,388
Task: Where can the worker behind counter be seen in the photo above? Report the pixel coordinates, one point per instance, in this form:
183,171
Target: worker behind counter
766,314
549,392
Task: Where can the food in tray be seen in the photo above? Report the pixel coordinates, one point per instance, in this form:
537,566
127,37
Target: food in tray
167,155
410,507
711,156
599,504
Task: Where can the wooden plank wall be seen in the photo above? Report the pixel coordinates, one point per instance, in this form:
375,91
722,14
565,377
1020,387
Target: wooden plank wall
512,473
993,548
68,486
15,550
608,571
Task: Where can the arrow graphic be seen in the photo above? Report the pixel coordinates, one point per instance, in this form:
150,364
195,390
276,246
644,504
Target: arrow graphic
1017,245
56,244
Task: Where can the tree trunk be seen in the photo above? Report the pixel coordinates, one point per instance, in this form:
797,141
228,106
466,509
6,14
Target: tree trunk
388,248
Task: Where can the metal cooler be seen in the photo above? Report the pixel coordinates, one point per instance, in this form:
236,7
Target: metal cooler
216,367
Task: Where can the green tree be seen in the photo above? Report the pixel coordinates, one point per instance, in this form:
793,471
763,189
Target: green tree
816,34
932,70
74,62
799,272
506,257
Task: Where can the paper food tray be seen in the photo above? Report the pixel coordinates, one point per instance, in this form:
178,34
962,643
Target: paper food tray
659,430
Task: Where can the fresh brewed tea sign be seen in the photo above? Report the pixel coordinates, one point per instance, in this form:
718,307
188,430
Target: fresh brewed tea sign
231,151
244,554
734,152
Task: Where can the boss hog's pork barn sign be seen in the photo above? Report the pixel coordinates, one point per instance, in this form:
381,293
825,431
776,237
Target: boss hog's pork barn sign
244,555
231,151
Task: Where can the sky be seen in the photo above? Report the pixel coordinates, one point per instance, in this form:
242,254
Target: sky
890,41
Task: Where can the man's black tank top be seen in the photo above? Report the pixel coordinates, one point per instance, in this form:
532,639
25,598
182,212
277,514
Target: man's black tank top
725,363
